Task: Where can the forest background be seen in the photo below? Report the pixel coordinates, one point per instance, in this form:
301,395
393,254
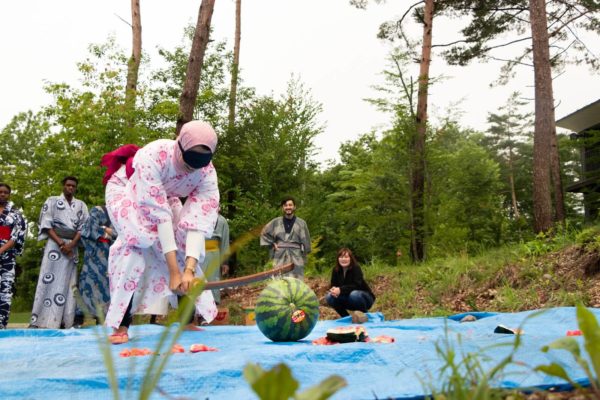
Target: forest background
477,191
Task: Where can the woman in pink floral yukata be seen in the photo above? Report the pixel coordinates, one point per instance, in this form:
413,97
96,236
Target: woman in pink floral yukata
158,237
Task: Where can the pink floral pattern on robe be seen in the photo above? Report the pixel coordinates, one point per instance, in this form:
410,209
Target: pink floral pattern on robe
136,206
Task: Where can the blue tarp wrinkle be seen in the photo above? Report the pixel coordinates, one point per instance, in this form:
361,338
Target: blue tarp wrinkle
68,364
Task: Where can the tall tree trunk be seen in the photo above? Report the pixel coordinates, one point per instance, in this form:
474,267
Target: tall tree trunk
187,101
559,201
511,179
231,209
544,117
418,167
133,64
236,63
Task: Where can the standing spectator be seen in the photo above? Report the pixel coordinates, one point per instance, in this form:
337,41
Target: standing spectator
288,238
349,292
217,252
61,220
97,235
12,238
160,244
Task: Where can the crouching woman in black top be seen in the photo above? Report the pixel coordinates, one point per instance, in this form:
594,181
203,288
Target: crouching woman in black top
349,291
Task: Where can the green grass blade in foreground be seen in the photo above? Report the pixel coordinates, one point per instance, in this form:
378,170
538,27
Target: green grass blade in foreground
591,336
170,337
463,374
105,348
557,371
274,384
109,363
103,343
279,384
163,353
324,390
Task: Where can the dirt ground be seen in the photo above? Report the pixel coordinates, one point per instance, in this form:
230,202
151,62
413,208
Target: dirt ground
573,268
245,296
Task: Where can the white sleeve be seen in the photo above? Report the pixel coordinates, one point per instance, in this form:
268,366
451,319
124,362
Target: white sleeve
194,245
166,236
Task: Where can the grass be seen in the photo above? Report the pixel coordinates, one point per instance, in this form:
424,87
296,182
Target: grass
19,317
421,290
520,276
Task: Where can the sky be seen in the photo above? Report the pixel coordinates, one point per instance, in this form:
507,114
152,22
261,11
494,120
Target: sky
328,44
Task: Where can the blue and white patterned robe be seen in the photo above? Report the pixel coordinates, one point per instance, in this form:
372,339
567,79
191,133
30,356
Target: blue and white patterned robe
54,303
93,280
12,218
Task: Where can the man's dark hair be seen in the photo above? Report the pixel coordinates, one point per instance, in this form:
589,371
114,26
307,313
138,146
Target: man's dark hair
286,199
6,186
70,178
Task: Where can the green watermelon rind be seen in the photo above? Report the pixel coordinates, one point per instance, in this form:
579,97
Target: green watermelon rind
346,337
274,314
346,334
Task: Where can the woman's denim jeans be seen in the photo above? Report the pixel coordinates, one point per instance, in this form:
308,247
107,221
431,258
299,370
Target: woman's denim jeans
357,300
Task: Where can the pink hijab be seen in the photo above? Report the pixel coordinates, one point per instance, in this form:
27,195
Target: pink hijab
192,134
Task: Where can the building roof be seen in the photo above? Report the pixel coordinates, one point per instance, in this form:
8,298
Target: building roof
584,118
585,186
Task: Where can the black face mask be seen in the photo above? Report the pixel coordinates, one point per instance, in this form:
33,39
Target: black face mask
194,159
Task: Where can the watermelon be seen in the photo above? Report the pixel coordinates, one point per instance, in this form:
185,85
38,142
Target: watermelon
287,310
347,334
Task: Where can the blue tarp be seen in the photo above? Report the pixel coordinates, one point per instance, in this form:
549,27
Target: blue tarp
68,364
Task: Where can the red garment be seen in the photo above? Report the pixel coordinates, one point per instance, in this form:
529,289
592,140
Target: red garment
5,232
116,158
